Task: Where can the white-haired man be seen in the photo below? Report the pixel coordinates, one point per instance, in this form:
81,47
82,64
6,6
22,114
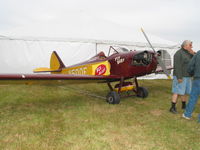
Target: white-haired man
181,85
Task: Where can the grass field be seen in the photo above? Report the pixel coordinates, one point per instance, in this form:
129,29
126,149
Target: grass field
57,118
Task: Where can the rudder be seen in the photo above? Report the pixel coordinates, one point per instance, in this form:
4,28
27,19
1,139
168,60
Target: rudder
55,62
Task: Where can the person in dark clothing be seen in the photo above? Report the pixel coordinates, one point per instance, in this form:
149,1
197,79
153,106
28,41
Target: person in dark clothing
181,85
193,70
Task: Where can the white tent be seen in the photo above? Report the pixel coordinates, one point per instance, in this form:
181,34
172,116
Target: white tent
21,54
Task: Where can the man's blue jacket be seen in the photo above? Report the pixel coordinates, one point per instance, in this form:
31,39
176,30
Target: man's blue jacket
194,66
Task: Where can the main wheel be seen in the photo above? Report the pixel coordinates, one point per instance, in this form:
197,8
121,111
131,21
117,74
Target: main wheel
142,92
113,98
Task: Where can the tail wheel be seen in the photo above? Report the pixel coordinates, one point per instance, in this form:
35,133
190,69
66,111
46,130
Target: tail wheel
142,92
113,98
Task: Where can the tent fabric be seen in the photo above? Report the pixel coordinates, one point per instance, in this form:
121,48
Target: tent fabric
22,55
17,56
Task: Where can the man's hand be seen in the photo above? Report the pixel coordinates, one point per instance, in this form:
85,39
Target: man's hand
191,51
180,80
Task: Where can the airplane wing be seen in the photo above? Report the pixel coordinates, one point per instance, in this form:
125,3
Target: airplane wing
54,79
159,69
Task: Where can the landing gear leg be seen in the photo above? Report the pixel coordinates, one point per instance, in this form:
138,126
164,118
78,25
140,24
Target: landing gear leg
113,96
140,91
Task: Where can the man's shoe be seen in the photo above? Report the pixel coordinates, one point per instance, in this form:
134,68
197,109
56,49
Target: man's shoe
173,110
188,118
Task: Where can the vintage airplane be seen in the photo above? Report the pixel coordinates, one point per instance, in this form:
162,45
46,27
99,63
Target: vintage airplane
119,65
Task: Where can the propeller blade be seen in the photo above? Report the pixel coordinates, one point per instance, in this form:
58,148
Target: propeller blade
161,63
147,40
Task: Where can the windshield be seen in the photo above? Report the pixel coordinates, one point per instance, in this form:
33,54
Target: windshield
117,49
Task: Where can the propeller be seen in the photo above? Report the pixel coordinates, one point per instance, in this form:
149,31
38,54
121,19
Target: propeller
161,63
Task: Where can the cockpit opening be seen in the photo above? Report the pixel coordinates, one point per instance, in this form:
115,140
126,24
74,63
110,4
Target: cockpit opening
117,49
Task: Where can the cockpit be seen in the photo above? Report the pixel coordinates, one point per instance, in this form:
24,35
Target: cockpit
117,49
112,50
99,56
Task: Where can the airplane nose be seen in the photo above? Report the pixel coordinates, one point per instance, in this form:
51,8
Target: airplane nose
143,58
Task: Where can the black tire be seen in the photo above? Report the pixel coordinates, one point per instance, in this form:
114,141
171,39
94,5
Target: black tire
142,92
113,98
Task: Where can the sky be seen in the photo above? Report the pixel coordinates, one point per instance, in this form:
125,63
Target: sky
173,20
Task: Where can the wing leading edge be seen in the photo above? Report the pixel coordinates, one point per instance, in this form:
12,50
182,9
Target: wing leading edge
159,69
53,79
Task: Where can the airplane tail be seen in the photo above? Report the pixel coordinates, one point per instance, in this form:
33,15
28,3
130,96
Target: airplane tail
56,64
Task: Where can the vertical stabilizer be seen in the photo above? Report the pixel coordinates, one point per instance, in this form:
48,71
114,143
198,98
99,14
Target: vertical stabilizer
56,65
56,62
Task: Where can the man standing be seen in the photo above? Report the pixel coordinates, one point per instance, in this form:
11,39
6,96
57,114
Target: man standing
181,85
194,70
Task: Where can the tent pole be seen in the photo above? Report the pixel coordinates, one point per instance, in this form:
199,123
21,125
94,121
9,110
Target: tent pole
96,47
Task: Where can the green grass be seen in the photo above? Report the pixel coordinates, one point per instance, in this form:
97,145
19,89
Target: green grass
60,118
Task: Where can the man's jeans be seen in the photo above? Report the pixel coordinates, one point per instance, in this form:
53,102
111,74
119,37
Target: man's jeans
194,95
